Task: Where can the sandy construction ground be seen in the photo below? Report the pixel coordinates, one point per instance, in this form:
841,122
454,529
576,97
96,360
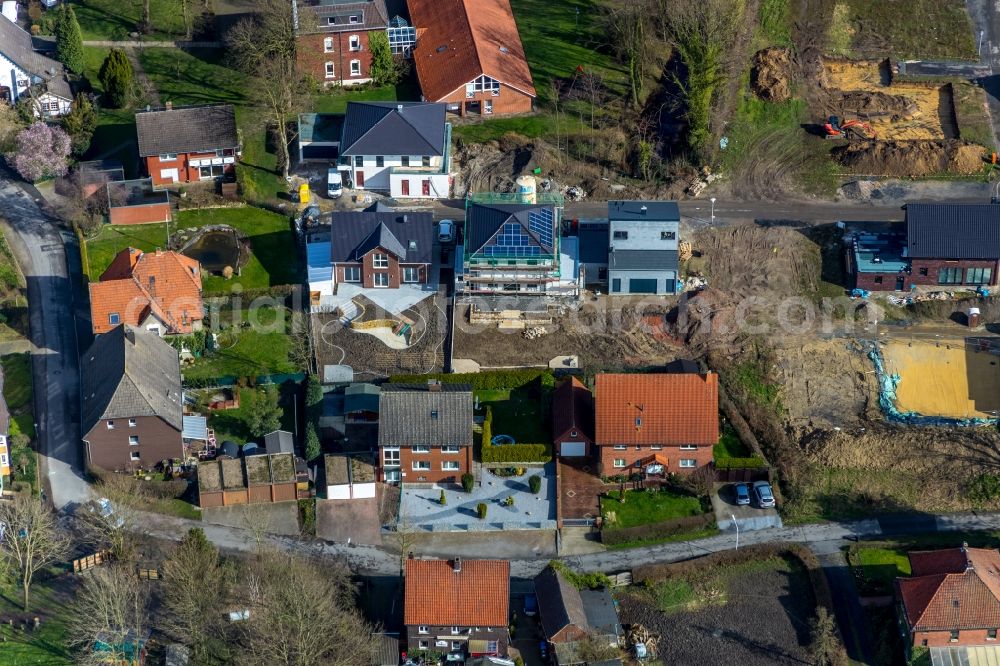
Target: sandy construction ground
944,379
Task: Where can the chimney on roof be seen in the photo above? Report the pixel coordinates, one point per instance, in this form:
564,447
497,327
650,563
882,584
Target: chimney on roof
170,105
643,210
399,107
456,565
404,219
434,385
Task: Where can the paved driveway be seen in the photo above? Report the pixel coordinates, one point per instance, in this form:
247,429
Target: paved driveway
39,245
747,517
421,509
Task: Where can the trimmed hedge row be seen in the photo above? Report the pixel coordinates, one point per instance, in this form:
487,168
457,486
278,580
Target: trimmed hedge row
666,528
513,453
753,462
482,381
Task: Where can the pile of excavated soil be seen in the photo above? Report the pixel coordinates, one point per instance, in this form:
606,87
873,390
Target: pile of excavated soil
870,103
912,159
771,73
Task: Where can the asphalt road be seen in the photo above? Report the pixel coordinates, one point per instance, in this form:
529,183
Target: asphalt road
38,243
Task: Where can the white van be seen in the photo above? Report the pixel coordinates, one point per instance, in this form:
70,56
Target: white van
334,184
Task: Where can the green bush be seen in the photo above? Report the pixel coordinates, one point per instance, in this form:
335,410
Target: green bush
535,483
483,381
481,510
667,528
487,428
443,500
984,488
753,462
468,482
513,453
307,517
591,580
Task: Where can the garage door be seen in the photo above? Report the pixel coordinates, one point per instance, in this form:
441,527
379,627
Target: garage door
642,286
573,449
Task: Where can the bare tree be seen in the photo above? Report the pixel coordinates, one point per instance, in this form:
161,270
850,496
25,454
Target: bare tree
301,614
627,23
32,540
111,609
114,526
263,47
197,586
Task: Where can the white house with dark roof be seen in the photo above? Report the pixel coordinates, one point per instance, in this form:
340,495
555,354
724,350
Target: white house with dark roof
402,148
27,74
643,241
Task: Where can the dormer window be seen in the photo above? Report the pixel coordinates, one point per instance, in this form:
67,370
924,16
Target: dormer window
434,414
354,18
638,422
114,318
331,20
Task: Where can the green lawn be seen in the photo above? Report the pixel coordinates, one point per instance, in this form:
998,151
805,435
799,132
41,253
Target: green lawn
529,126
876,568
47,646
231,423
274,258
560,36
642,508
110,20
520,413
194,76
730,445
244,352
924,29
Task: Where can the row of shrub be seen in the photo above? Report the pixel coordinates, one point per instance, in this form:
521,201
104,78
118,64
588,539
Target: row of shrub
661,530
753,462
483,381
516,453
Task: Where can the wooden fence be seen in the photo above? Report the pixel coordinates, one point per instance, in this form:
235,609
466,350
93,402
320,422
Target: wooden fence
90,561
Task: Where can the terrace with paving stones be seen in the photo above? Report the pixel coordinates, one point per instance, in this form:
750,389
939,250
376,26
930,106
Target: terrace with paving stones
421,509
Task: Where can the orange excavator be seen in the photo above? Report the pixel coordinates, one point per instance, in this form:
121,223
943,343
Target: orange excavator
848,129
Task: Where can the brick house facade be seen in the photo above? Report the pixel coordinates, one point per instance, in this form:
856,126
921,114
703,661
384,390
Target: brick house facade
655,419
457,607
131,386
469,56
952,598
188,144
332,39
381,261
425,432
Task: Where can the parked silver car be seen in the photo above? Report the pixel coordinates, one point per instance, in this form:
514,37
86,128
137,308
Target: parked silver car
762,493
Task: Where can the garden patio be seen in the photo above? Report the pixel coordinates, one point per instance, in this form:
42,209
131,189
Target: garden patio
421,509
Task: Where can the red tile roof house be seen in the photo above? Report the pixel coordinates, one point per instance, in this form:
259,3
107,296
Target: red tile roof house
331,40
573,420
952,597
457,606
131,410
155,291
188,144
670,419
469,56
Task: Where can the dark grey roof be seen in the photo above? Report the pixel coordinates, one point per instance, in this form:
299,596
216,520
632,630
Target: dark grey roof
643,260
600,610
483,221
393,128
279,441
559,603
408,235
127,373
186,129
415,415
17,46
386,650
953,231
361,397
654,210
374,15
593,243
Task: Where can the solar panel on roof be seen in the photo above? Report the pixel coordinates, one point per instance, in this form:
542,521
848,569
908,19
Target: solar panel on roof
540,223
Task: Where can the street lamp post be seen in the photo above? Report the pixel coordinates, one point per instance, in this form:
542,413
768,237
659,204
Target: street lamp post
737,526
713,208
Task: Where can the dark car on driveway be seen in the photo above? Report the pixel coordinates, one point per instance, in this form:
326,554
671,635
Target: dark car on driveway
741,492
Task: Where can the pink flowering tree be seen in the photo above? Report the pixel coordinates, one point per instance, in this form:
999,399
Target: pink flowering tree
42,151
